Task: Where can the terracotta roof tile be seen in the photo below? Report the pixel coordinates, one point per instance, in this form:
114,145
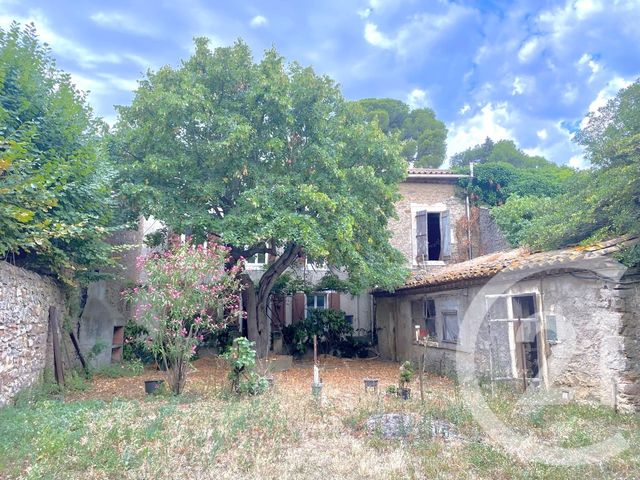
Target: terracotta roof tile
487,266
429,171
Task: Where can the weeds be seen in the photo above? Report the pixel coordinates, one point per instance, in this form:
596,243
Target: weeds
285,434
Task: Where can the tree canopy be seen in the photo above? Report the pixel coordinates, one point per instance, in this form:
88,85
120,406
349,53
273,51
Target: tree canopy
54,189
502,170
269,158
424,136
601,202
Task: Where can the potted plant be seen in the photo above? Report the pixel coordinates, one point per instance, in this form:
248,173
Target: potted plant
152,386
407,373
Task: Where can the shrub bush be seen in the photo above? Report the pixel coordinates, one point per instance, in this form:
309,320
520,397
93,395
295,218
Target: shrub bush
241,357
335,335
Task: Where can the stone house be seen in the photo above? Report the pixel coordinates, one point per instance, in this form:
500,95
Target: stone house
434,228
567,320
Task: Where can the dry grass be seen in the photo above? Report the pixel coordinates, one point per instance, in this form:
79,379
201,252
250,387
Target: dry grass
113,430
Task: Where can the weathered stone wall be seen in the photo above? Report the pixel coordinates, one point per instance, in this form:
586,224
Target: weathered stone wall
485,234
596,357
424,194
628,382
25,346
491,238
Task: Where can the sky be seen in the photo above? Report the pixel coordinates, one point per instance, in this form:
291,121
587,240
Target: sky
528,71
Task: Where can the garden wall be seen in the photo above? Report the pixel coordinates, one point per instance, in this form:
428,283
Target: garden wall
25,343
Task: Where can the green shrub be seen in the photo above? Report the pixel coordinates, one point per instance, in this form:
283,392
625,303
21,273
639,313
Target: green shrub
335,335
241,357
136,345
407,372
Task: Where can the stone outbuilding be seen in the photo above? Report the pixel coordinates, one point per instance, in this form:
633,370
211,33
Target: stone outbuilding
567,320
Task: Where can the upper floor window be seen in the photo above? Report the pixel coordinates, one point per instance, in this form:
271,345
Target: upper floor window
433,236
258,260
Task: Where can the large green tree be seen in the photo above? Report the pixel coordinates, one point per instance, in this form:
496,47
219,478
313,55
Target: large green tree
424,136
502,170
54,188
600,202
269,158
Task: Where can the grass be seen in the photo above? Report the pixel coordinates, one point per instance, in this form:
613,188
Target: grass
287,434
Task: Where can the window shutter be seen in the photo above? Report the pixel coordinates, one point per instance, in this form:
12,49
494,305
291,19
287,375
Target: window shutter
445,235
297,313
334,300
422,252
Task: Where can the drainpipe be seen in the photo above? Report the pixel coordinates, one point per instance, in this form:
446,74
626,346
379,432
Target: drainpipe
468,209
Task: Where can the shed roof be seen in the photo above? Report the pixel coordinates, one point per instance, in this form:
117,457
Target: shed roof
517,259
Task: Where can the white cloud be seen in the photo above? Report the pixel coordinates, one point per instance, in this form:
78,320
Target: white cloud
67,48
124,22
542,134
518,86
528,51
584,8
588,60
465,108
364,14
604,95
376,38
491,121
570,93
103,83
578,161
258,21
417,98
420,32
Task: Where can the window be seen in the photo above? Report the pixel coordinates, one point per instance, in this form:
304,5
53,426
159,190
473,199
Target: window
514,330
433,236
316,301
451,327
309,265
258,259
430,317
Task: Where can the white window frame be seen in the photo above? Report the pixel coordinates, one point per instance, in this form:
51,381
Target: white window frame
255,264
314,266
315,302
435,208
539,318
455,341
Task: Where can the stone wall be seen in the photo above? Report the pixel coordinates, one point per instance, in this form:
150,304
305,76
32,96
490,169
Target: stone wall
596,357
25,344
491,238
424,194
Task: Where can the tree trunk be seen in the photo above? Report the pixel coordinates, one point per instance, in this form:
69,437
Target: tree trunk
250,305
255,303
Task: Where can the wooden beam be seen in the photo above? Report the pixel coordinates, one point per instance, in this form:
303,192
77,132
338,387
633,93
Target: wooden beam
54,325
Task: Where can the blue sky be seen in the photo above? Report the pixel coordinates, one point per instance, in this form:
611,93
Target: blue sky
522,70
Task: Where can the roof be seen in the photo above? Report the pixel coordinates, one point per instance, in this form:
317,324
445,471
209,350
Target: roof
519,259
432,173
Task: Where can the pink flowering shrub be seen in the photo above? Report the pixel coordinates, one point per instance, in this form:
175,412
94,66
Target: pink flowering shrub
188,292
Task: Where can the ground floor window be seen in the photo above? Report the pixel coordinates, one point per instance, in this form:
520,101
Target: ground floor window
430,317
316,301
451,326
